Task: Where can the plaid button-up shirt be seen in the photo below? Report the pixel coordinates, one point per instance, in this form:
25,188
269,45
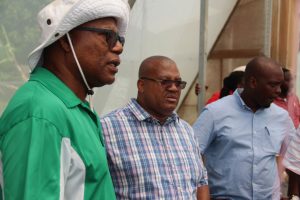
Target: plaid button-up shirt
149,160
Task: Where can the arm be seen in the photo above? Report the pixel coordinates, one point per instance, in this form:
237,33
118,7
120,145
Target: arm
197,89
203,193
280,168
202,189
204,129
294,184
31,161
292,162
289,134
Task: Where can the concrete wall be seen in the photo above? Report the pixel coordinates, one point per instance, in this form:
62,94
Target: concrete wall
241,39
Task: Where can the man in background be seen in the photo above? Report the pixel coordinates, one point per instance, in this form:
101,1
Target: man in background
290,102
292,163
230,83
287,99
240,136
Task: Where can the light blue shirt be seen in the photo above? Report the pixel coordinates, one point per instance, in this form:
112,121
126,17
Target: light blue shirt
240,148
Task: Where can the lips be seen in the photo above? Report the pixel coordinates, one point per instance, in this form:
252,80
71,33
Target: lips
113,65
113,69
115,62
172,98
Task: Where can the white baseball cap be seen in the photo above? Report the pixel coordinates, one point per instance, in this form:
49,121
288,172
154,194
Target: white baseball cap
61,16
240,68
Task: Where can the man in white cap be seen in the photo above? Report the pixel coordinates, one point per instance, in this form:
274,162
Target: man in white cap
50,138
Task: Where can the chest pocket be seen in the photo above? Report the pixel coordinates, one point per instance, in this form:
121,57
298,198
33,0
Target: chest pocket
272,140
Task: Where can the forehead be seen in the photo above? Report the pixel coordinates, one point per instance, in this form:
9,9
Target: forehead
165,69
272,74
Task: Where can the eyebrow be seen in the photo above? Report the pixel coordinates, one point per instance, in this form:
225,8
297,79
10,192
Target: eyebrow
169,78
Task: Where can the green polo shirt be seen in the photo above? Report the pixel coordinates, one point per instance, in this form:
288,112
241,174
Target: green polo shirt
51,145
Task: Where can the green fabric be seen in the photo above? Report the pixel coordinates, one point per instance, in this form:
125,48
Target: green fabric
41,113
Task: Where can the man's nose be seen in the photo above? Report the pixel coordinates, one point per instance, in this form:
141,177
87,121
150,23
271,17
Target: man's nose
118,48
174,87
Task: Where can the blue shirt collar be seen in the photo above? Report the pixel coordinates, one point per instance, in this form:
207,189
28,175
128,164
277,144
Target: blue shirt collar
241,103
237,94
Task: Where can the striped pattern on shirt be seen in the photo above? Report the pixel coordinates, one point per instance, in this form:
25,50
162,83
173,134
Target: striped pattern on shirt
292,156
148,160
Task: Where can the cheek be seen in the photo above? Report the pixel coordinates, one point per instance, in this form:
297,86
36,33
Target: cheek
97,52
273,90
92,48
158,98
95,60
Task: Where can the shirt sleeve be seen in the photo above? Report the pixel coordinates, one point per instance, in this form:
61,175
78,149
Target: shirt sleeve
203,128
290,133
204,179
30,153
292,156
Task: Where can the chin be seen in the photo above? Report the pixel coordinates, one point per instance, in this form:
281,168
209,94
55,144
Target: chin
266,105
170,109
106,82
110,82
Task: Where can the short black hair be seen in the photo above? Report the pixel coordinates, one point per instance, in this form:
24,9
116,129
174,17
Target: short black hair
231,82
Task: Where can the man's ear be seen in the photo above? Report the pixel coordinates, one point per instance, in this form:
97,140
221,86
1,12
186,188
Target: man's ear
64,43
252,82
140,86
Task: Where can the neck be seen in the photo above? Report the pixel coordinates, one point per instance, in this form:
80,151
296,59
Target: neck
59,60
160,117
70,79
161,120
249,101
283,95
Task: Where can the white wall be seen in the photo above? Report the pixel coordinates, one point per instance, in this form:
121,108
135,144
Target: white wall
162,27
157,27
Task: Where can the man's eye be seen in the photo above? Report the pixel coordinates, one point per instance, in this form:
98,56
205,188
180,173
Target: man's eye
275,84
166,82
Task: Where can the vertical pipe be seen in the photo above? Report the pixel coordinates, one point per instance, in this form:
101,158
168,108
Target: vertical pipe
202,52
268,28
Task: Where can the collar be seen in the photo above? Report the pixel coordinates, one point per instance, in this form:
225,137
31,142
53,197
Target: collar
142,115
56,86
241,103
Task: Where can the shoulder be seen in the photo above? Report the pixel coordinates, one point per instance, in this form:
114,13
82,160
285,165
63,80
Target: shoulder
293,98
31,101
184,124
117,114
279,116
276,110
34,96
223,105
187,128
117,119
